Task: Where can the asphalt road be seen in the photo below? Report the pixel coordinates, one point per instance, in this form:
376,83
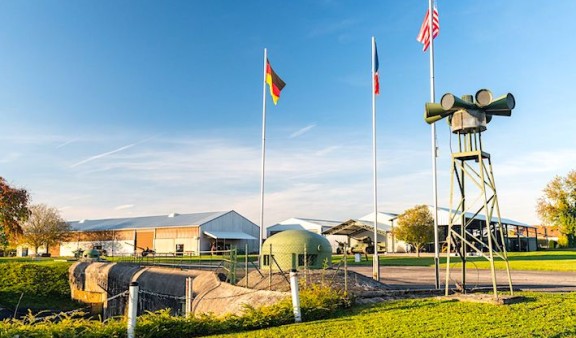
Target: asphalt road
416,277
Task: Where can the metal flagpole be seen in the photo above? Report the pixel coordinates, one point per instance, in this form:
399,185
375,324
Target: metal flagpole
261,240
434,149
375,261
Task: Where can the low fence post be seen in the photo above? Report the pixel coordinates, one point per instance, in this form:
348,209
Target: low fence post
305,265
132,308
189,294
270,268
246,264
295,295
345,270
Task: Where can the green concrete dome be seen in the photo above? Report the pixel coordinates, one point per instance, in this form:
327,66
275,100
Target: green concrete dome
293,249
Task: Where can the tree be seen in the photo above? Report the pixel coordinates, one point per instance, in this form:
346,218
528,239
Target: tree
558,205
44,227
415,227
13,210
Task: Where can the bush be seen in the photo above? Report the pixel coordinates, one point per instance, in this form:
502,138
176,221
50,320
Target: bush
35,279
563,241
552,244
316,302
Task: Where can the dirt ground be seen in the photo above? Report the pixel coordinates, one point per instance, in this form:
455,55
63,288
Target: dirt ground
355,283
361,288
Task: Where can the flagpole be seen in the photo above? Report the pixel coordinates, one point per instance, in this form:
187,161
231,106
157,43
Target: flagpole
375,261
434,150
261,239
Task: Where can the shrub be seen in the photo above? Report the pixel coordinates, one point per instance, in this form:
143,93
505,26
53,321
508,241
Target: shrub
552,244
30,278
563,241
316,302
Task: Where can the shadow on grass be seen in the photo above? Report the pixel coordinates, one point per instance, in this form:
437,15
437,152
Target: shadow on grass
542,258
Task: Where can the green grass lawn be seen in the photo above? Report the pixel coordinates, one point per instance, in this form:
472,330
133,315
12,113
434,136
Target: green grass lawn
539,315
554,260
38,260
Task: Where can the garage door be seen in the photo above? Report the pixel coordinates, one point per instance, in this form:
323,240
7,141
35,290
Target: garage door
144,239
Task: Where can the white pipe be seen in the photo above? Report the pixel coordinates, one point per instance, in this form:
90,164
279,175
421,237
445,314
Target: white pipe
132,308
295,296
189,294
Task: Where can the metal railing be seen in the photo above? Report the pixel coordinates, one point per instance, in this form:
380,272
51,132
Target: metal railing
225,260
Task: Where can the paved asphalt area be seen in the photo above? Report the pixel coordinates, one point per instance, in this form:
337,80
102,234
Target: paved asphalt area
417,277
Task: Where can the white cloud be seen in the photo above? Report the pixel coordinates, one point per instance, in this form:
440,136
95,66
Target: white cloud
66,143
95,157
316,178
302,131
124,206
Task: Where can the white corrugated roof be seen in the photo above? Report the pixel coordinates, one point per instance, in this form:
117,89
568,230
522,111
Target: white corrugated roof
146,222
228,235
444,218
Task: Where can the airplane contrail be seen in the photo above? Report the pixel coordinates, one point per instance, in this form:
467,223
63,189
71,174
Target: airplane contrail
95,157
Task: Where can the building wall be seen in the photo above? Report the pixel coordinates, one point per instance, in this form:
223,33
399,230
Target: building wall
113,247
167,239
187,239
394,245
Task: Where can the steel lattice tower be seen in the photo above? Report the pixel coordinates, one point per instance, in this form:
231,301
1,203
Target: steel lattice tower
474,208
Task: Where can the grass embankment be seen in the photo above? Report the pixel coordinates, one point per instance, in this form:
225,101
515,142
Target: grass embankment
540,315
43,284
557,260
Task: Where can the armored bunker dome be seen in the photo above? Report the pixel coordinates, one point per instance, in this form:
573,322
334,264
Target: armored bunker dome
293,249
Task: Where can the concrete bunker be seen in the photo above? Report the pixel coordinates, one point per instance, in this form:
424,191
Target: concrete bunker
293,249
104,286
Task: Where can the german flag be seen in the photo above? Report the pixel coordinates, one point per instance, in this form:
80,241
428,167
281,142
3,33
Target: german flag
274,81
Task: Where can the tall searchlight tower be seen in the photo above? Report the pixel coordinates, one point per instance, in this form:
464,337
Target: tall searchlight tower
475,224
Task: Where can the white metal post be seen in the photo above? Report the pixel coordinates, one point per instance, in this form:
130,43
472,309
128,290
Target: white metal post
434,150
132,308
263,156
375,260
189,296
295,295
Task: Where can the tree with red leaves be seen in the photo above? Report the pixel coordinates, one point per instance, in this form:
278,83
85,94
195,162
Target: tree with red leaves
13,210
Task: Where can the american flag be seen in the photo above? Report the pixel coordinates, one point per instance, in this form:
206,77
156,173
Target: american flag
424,35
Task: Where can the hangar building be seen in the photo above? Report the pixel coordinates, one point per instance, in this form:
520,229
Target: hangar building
173,233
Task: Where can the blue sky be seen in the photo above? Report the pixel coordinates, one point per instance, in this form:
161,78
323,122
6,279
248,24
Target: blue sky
133,108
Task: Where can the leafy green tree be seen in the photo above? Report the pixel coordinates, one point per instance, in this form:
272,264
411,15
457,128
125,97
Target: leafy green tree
44,227
416,227
13,210
558,205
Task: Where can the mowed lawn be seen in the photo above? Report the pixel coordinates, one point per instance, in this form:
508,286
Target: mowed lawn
555,260
539,315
